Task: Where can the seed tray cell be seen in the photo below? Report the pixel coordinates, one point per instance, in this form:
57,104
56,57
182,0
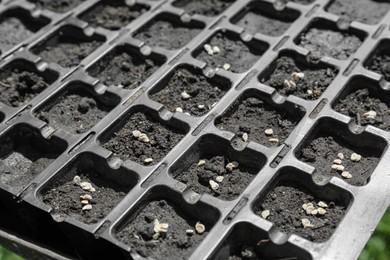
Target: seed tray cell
379,60
203,7
59,6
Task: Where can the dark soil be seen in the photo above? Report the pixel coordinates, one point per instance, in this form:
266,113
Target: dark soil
360,102
13,31
162,139
203,7
380,63
335,44
322,151
59,6
166,34
75,111
234,183
113,16
253,116
202,91
175,244
285,205
314,83
365,11
304,2
235,52
128,69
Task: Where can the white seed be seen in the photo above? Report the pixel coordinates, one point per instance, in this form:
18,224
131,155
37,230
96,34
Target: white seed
86,185
226,66
92,189
143,138
216,50
130,2
297,75
370,114
265,214
273,141
160,227
210,52
85,202
136,133
201,106
179,109
356,157
314,212
185,18
188,114
289,84
341,156
306,205
77,179
184,95
190,232
309,209
231,166
207,47
322,204
219,178
310,92
201,162
346,175
321,211
200,228
306,223
269,131
245,137
148,160
338,167
213,185
86,197
87,207
337,161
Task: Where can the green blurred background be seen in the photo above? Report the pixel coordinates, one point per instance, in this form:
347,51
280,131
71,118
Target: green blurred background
377,248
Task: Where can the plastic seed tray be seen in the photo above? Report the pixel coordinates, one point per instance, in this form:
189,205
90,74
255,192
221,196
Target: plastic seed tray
208,129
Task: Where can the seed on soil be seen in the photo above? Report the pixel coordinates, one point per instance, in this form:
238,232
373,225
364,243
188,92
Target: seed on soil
297,75
143,138
322,204
341,156
309,209
200,228
309,92
219,178
207,48
370,114
86,197
314,212
356,157
201,162
148,160
265,214
185,18
346,175
226,66
160,227
179,109
85,202
130,2
86,185
273,141
87,207
306,205
245,137
77,180
190,232
136,133
185,95
216,50
213,185
337,161
201,106
231,166
306,223
289,84
269,131
338,167
321,211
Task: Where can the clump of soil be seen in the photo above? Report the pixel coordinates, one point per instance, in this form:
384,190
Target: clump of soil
253,116
233,51
13,31
203,7
167,35
233,184
174,244
322,151
285,202
335,44
128,69
365,11
113,16
203,92
315,81
59,6
379,63
75,111
360,102
161,139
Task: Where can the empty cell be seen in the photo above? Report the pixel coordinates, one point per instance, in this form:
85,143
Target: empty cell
68,46
76,109
168,32
324,37
187,90
260,119
113,15
126,67
214,167
67,196
20,82
143,137
379,61
59,6
203,7
262,17
25,154
229,52
295,205
336,152
291,74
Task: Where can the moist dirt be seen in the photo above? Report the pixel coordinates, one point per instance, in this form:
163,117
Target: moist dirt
59,6
379,63
203,7
13,31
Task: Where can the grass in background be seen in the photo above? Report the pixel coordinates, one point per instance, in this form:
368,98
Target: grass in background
8,255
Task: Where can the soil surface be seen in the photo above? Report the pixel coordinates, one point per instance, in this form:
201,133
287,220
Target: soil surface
322,151
203,92
380,63
174,244
234,183
304,2
253,116
113,16
203,7
59,6
13,31
316,78
285,205
162,140
129,70
75,112
64,196
335,44
360,102
166,34
234,52
365,11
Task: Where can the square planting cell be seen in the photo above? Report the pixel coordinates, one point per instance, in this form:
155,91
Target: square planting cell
20,82
188,90
113,15
247,242
16,26
59,6
214,167
68,46
143,136
262,120
203,7
25,154
187,225
335,151
76,109
366,102
261,17
303,2
295,205
66,194
225,50
365,11
126,67
323,37
169,32
291,74
379,61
